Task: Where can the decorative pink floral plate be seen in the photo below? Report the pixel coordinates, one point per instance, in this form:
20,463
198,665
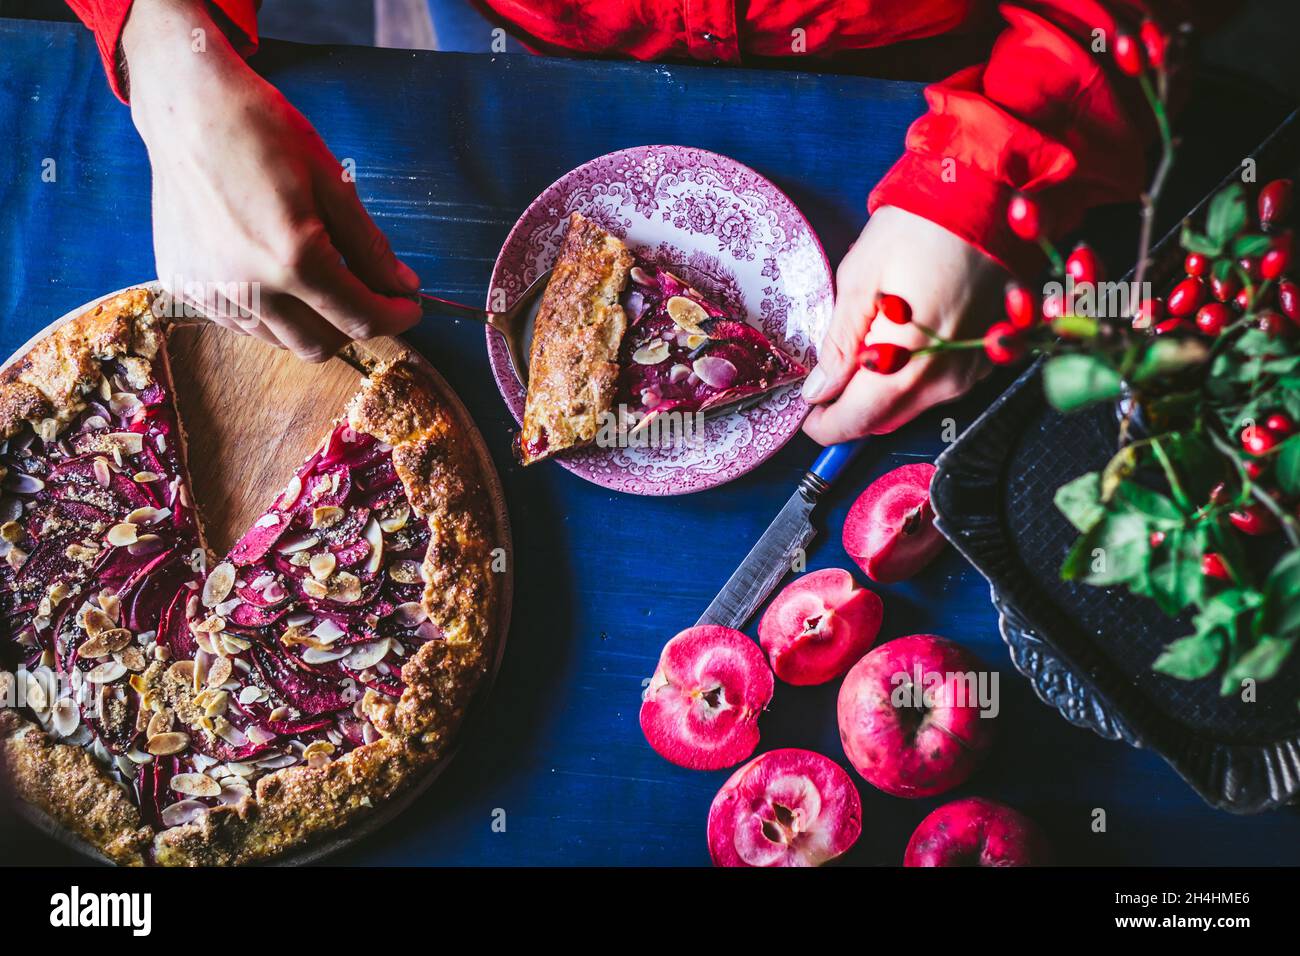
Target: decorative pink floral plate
723,228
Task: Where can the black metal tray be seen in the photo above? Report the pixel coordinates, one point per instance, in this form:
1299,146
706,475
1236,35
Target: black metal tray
1087,650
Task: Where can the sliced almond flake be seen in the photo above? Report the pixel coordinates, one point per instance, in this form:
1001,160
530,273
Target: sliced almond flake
164,745
280,713
216,705
183,812
652,353
291,492
367,655
298,543
65,716
145,477
345,587
404,572
219,672
110,603
395,518
146,515
103,474
195,785
325,516
322,565
125,443
251,695
132,658
375,537
260,735
182,671
229,732
410,614
233,645
101,643
120,535
159,723
146,544
124,404
687,313
278,762
227,608
137,756
318,753
268,520
106,672
327,630
210,624
16,558
314,588
321,655
217,587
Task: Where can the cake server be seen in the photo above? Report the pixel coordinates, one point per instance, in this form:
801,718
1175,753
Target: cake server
789,533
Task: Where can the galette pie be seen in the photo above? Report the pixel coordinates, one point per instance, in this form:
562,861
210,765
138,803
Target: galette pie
618,336
172,709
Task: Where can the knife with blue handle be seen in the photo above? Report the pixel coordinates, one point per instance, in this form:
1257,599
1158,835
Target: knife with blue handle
789,533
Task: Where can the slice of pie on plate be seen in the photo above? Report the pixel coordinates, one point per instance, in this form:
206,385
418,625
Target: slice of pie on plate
172,710
617,336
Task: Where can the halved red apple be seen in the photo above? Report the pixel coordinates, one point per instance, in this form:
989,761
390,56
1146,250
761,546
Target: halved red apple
701,707
818,626
890,529
784,808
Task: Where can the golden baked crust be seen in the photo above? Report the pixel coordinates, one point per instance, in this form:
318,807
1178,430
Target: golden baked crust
573,363
444,481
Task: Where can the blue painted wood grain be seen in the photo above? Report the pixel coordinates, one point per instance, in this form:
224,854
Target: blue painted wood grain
449,150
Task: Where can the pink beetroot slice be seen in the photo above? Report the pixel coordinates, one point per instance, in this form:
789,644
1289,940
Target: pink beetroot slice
701,707
784,808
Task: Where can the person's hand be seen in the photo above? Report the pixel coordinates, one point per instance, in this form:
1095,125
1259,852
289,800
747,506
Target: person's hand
245,191
948,283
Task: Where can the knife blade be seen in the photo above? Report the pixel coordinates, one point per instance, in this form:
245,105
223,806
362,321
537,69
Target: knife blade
772,557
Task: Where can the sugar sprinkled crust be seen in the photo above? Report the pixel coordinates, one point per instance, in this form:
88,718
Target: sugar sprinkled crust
443,480
573,363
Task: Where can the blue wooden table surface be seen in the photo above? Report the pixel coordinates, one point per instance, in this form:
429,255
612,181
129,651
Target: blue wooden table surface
449,150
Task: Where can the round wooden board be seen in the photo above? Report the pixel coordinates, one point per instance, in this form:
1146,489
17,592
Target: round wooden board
260,411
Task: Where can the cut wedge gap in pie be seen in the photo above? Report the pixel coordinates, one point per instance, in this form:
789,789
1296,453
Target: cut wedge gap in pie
167,708
618,339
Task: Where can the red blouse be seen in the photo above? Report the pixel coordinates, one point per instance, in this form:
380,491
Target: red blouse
1043,114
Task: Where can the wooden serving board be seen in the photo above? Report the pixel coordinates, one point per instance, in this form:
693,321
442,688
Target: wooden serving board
259,412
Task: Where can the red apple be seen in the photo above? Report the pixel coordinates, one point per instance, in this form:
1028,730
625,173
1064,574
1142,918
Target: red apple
700,709
911,718
784,808
818,626
976,832
890,529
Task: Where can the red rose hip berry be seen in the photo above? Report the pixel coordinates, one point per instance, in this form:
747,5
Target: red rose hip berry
1186,297
1280,424
1196,263
1154,42
700,709
1288,300
1275,202
1128,54
895,309
1275,262
1212,566
1023,217
1003,343
1021,306
818,626
885,358
1083,265
1253,520
1258,440
1213,318
976,832
786,807
1224,288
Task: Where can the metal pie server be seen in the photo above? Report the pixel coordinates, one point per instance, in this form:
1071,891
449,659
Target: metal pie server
772,557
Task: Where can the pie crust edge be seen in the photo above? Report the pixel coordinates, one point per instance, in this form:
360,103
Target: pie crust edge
443,477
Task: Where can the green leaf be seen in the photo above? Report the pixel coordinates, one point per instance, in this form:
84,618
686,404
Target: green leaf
1176,579
1251,244
1165,356
1284,580
1071,382
1076,327
1261,662
1195,242
1227,214
1288,466
1125,543
1191,657
1157,508
1080,501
